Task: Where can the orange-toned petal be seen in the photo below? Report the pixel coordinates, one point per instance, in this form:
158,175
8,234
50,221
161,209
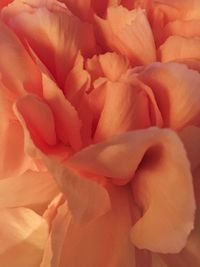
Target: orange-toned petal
18,71
113,65
81,8
176,90
86,198
67,122
126,108
31,189
177,47
23,237
41,121
103,242
190,137
13,160
127,32
189,256
52,32
185,28
155,160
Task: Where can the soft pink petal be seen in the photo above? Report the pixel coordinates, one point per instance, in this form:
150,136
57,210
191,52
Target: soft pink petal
177,47
127,32
159,162
103,242
67,122
176,89
31,189
23,237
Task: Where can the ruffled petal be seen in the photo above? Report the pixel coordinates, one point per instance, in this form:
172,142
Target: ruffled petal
127,32
177,98
132,102
32,190
67,122
52,32
159,162
86,198
18,71
23,237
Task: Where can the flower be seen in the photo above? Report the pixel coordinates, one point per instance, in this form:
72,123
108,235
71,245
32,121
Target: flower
99,133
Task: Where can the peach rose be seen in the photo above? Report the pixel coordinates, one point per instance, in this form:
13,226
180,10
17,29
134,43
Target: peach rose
99,133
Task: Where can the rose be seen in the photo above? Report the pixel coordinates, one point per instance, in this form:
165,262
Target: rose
63,101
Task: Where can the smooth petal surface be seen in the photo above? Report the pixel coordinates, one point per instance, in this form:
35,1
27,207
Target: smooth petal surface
23,237
11,139
159,162
177,47
177,98
185,28
189,256
32,190
41,121
103,242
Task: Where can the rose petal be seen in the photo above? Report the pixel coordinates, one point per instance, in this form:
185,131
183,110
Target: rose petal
31,189
179,106
177,47
159,162
23,237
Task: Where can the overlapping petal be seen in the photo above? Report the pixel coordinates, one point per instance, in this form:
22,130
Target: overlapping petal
23,237
177,98
53,33
32,190
103,242
127,32
156,162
